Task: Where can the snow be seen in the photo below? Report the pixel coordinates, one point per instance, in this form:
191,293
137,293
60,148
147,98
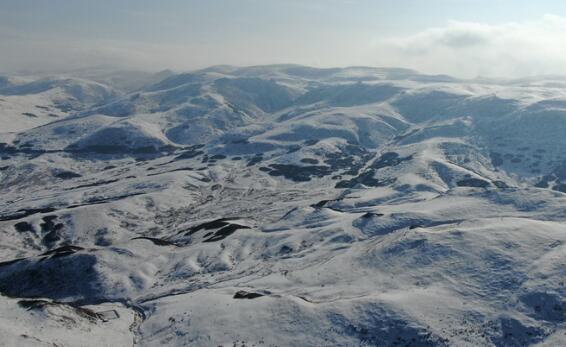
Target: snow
63,325
431,216
25,105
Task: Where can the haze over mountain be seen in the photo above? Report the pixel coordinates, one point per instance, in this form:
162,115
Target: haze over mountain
462,38
282,205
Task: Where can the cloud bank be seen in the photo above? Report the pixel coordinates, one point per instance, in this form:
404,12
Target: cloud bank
463,49
470,49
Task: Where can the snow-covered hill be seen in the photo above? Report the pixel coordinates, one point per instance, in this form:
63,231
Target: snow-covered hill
26,103
285,206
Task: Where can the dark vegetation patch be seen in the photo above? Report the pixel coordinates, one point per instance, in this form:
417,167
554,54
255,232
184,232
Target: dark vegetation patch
67,175
322,203
242,294
189,154
284,250
473,182
389,159
350,165
258,158
367,179
299,173
155,241
29,114
224,226
368,215
350,159
309,161
23,227
51,231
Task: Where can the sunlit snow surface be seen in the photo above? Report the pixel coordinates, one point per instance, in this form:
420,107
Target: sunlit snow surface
283,206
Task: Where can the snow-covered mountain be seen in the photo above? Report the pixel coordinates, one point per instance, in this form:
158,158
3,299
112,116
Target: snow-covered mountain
26,103
283,206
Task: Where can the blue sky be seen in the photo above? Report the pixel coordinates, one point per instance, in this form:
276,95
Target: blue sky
460,37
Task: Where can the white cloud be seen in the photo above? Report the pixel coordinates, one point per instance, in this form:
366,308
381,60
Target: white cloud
469,49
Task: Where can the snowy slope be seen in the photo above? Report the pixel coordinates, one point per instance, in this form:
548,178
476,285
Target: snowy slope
29,102
290,206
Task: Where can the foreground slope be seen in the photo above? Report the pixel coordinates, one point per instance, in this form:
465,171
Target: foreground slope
292,206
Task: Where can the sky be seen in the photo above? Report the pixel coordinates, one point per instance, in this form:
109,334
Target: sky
463,38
